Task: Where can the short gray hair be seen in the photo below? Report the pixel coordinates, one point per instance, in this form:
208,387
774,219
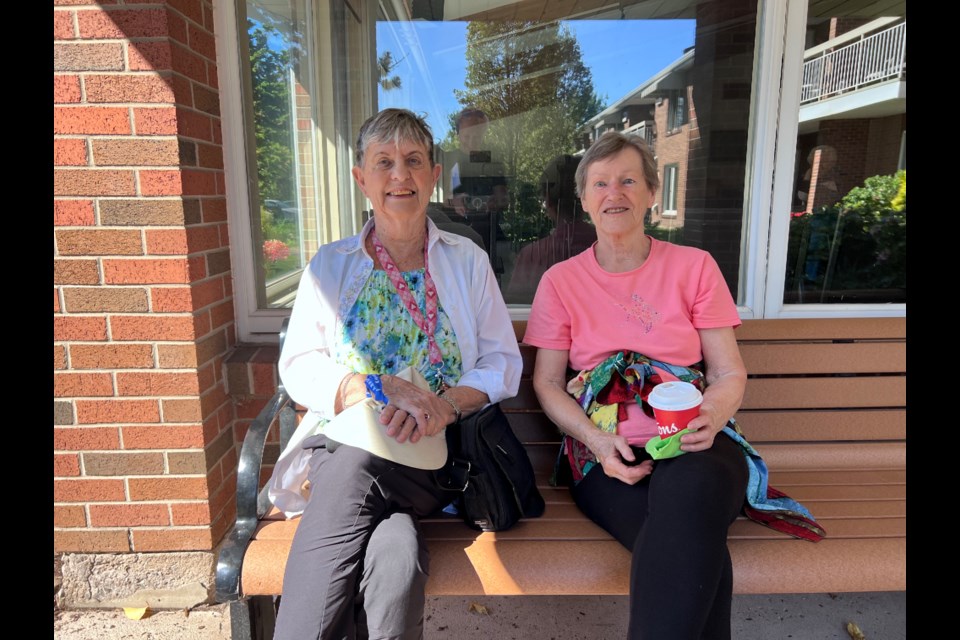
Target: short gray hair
396,125
610,144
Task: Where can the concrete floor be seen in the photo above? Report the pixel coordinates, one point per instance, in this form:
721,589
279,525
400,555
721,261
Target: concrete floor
879,616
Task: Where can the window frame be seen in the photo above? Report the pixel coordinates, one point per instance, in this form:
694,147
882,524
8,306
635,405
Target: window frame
770,151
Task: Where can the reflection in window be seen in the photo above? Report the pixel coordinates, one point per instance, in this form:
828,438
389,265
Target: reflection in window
847,240
282,117
512,95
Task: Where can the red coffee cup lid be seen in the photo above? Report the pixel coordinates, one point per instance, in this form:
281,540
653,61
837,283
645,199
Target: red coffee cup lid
675,396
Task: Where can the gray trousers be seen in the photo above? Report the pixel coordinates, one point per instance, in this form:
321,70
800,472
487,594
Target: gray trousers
358,564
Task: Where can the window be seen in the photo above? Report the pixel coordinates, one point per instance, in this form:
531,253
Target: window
671,174
677,110
534,86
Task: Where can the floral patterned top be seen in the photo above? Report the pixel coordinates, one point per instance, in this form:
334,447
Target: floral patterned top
380,336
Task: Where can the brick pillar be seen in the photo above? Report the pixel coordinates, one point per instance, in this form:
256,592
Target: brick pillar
144,455
721,78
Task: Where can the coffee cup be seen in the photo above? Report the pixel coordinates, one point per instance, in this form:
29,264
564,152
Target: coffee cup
674,405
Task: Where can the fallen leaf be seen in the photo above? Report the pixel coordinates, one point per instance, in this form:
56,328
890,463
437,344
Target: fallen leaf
478,608
136,613
855,632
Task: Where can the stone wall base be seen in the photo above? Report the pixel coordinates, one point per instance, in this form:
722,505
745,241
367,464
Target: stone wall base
177,580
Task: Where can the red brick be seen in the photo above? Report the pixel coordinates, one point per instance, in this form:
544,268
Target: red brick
129,515
88,56
206,101
214,209
177,27
149,56
125,24
182,410
210,156
111,356
160,121
222,314
202,42
141,212
65,465
100,299
264,378
107,411
151,271
128,87
207,293
188,63
193,124
157,384
201,324
146,540
69,151
163,437
203,238
176,356
206,378
69,516
147,152
167,241
77,2
214,81
182,89
91,120
87,541
59,357
56,300
66,89
73,213
190,513
248,408
171,300
160,183
167,488
63,25
135,328
84,490
69,385
70,328
75,272
123,464
99,242
197,268
188,8
208,17
93,182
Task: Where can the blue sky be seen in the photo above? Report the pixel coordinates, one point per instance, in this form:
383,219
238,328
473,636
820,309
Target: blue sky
621,55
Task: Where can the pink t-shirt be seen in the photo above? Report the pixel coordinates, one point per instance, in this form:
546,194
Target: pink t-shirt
656,310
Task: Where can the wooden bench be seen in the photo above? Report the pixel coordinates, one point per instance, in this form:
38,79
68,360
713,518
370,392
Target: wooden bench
825,406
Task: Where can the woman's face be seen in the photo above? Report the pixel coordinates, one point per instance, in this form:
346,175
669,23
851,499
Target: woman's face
616,194
397,179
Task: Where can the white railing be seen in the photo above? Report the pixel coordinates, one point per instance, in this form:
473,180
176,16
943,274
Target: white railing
873,58
643,129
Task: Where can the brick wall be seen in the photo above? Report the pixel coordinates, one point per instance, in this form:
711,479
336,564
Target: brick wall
144,455
673,147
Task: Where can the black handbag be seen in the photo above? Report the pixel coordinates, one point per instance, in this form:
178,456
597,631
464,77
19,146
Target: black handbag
489,468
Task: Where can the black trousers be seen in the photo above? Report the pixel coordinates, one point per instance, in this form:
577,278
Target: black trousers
675,523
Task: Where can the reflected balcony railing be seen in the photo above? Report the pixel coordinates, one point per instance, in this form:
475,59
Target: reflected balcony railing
644,129
873,58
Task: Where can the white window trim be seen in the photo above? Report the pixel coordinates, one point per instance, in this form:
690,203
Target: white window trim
771,149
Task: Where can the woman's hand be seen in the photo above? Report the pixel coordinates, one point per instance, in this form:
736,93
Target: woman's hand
413,412
617,458
701,431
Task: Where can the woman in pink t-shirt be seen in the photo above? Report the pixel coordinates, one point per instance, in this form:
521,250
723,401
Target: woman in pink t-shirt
667,309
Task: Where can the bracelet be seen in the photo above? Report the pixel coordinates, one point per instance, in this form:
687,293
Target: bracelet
375,388
456,409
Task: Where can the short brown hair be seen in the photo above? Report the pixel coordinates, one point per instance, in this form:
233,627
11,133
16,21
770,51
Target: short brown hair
610,144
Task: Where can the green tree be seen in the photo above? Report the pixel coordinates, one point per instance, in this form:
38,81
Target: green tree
385,66
271,111
530,79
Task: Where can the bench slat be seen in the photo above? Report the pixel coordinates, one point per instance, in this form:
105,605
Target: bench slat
824,358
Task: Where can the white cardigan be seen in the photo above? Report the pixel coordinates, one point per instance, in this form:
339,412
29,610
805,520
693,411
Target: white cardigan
329,287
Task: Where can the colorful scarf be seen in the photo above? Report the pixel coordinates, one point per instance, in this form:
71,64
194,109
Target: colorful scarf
603,393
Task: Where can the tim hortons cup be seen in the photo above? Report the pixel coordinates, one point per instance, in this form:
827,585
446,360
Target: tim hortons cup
674,405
